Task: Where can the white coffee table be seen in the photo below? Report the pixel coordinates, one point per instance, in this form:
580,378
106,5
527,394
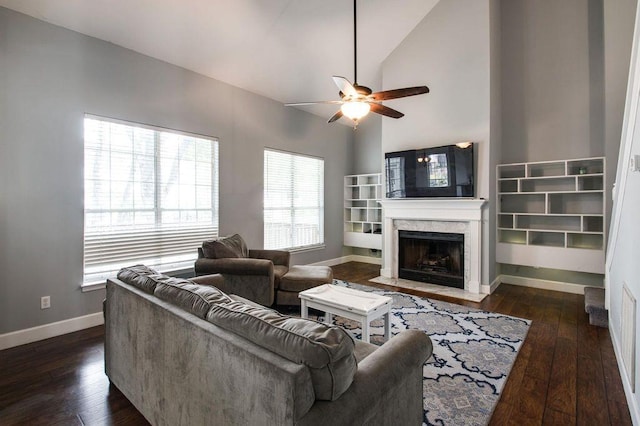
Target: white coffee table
349,303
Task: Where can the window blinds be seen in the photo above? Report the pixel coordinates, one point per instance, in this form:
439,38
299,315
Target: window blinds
293,201
151,196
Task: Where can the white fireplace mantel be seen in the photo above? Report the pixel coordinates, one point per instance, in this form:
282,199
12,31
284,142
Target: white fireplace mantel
410,214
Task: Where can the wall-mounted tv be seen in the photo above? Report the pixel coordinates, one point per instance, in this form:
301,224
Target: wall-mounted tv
444,171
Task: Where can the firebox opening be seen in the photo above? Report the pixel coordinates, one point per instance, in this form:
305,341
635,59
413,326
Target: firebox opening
431,257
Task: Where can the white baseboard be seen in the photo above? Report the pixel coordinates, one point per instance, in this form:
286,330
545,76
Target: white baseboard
28,335
542,284
365,259
634,410
350,258
489,289
332,262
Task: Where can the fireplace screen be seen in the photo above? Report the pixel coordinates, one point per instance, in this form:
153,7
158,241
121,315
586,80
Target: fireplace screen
431,257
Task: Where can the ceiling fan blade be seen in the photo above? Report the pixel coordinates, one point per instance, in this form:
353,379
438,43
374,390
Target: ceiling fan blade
385,110
345,86
313,103
335,117
398,93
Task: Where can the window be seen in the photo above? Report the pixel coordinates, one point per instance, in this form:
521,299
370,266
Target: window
395,177
150,196
293,201
438,171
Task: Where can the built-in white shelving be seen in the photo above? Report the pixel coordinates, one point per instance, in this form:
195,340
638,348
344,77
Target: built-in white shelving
552,214
362,211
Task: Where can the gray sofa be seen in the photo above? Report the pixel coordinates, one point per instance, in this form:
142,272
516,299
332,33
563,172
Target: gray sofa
188,354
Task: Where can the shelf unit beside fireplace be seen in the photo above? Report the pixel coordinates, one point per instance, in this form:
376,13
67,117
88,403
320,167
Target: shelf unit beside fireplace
362,211
551,214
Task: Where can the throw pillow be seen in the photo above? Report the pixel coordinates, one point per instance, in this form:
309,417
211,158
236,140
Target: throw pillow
233,246
140,276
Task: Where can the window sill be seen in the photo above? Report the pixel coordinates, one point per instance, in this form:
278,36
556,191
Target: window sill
87,287
100,285
306,249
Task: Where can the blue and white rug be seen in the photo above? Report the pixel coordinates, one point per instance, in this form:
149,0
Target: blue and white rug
473,352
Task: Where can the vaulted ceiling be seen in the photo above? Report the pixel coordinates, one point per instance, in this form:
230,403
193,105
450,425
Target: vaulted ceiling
286,50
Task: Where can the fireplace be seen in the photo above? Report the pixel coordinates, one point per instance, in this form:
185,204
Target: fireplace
431,257
459,216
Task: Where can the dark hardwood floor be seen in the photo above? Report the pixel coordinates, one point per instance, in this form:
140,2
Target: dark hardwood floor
565,373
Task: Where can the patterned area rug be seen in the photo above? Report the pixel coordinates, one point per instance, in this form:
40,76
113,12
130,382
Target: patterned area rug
473,352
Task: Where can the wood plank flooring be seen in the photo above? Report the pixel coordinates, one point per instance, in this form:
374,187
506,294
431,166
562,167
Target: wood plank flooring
565,373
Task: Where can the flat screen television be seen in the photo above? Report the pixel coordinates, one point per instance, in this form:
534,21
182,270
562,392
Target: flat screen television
444,171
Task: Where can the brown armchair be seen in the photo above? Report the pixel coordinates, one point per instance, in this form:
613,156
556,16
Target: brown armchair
252,274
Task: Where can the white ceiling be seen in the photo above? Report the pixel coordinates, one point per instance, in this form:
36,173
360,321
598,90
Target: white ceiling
286,50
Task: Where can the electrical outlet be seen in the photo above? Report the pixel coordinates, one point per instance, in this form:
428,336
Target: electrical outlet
45,302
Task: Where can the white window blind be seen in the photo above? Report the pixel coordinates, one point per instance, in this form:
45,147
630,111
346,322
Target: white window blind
293,201
151,196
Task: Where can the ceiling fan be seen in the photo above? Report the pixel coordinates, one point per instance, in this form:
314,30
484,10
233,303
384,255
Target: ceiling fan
356,100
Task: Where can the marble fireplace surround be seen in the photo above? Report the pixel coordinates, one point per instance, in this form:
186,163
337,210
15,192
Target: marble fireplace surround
462,216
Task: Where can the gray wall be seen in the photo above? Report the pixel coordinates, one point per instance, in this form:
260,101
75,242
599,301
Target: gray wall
495,93
552,80
368,137
368,145
449,51
49,77
564,75
618,35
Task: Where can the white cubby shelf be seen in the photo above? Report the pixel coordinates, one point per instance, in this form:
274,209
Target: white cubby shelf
552,214
362,211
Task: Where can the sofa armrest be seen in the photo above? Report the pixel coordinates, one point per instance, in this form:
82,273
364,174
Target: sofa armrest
234,266
214,280
278,257
386,389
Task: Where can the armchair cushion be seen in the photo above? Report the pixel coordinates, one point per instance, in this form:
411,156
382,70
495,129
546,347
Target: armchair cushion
304,277
278,272
212,280
225,247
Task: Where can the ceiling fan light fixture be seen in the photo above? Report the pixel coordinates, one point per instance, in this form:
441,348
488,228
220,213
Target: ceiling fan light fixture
355,110
357,100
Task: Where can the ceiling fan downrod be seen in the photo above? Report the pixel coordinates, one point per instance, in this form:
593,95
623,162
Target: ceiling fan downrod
355,45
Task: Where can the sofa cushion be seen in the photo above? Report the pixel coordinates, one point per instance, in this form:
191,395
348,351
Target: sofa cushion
194,298
328,351
140,276
237,298
233,246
